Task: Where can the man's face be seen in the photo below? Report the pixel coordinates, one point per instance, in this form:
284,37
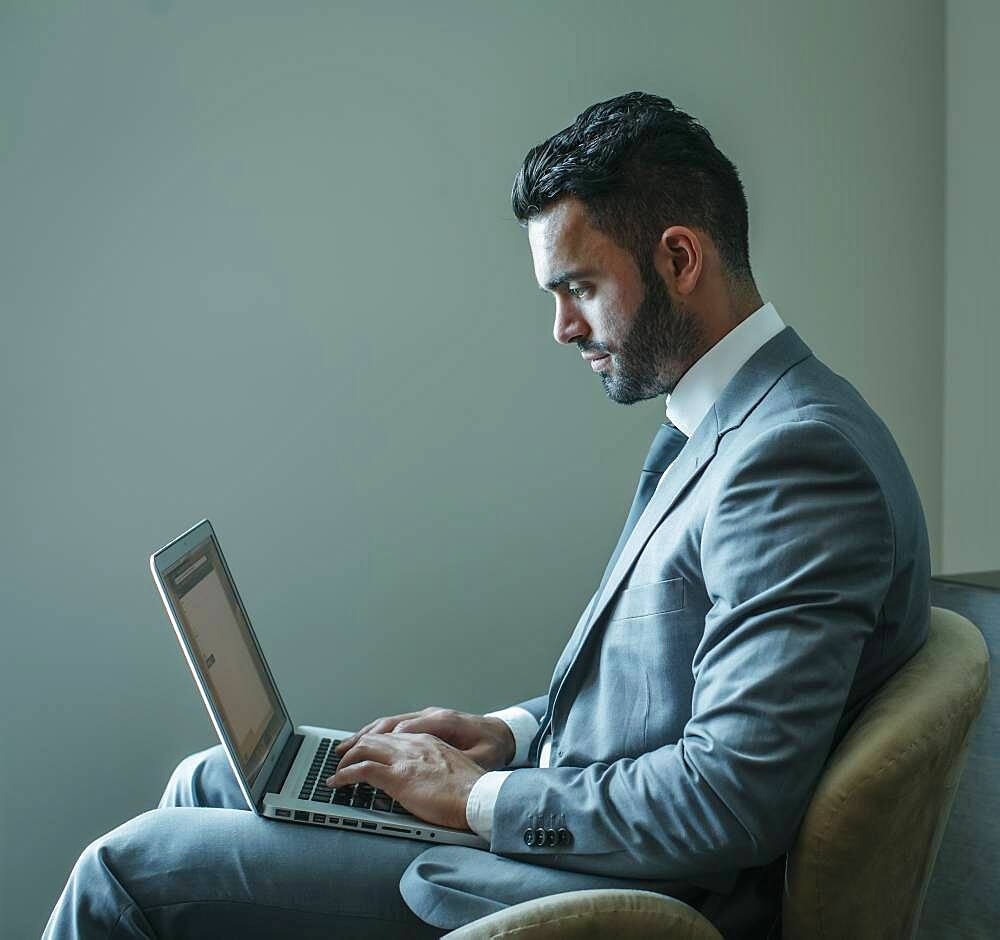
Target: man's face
619,314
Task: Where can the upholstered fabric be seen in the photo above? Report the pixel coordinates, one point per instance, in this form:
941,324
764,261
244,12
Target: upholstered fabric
863,856
586,914
960,903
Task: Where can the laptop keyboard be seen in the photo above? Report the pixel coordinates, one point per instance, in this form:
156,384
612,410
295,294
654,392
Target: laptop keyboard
359,795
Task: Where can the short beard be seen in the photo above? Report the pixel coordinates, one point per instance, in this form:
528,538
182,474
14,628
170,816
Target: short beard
661,344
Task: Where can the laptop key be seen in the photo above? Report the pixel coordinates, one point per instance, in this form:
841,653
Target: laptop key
363,796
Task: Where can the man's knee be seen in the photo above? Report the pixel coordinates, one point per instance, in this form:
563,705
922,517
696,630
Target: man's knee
102,859
437,886
97,893
195,777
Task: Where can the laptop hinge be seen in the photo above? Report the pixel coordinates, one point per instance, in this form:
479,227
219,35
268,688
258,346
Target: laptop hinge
283,764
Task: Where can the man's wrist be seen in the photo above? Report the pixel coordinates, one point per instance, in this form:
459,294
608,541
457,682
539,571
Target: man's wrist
481,804
523,727
506,736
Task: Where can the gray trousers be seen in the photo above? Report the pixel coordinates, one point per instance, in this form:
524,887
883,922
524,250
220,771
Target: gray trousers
203,865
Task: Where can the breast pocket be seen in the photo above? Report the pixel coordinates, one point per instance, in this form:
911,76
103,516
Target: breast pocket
645,600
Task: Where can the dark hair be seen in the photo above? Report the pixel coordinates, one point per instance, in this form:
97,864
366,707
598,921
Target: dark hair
639,165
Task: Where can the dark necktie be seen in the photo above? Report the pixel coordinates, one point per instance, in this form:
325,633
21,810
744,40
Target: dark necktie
665,447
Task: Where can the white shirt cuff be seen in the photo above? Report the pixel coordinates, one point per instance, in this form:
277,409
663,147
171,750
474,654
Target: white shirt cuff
545,751
523,726
483,800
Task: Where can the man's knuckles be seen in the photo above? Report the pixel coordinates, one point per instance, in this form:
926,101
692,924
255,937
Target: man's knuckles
356,771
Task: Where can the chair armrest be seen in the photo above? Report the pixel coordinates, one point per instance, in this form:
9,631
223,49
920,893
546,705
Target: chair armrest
593,914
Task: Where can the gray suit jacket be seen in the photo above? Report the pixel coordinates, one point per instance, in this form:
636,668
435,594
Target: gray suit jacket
777,577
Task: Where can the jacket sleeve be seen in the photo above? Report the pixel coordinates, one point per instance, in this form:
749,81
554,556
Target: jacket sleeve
797,556
536,706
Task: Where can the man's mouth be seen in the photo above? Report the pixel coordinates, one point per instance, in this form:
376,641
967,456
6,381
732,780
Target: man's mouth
597,360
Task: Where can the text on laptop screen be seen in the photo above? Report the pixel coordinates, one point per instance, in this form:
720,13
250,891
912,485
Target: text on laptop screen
227,656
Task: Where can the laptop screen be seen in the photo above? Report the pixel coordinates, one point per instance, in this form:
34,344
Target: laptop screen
223,646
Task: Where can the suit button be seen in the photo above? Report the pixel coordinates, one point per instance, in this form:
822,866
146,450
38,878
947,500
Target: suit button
564,836
539,836
529,836
550,837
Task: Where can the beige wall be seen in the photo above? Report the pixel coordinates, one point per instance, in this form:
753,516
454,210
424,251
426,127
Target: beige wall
971,533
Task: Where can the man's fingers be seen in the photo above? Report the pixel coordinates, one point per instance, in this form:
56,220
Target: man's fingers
350,741
378,726
361,751
366,771
382,748
438,725
480,754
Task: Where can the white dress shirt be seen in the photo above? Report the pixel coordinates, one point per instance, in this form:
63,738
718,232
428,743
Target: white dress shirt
692,399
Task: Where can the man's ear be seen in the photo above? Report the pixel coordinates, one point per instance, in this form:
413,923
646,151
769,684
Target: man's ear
679,257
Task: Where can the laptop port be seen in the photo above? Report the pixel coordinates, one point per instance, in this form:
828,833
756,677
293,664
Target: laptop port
319,817
368,825
332,820
349,822
285,813
388,828
301,816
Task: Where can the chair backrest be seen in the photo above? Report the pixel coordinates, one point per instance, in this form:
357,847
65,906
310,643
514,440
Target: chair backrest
863,856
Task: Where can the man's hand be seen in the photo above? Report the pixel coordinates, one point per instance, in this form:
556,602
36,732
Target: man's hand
487,741
430,778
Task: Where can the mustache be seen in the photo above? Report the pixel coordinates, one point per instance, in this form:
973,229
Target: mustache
587,346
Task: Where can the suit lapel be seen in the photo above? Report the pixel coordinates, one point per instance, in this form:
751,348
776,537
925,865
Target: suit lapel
695,454
692,459
753,381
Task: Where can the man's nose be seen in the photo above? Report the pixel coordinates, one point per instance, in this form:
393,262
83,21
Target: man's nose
569,325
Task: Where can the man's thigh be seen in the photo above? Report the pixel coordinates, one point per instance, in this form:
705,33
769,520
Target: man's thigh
451,885
209,872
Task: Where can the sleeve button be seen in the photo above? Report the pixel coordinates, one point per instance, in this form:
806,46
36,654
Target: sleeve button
529,836
564,836
539,836
550,837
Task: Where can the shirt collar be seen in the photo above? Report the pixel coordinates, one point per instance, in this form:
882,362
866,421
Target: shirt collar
702,384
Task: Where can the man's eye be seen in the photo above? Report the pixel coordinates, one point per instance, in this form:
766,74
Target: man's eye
576,292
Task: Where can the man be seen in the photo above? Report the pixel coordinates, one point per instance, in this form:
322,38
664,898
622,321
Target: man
772,573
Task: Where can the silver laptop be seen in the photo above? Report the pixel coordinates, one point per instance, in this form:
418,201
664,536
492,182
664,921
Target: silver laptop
281,768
